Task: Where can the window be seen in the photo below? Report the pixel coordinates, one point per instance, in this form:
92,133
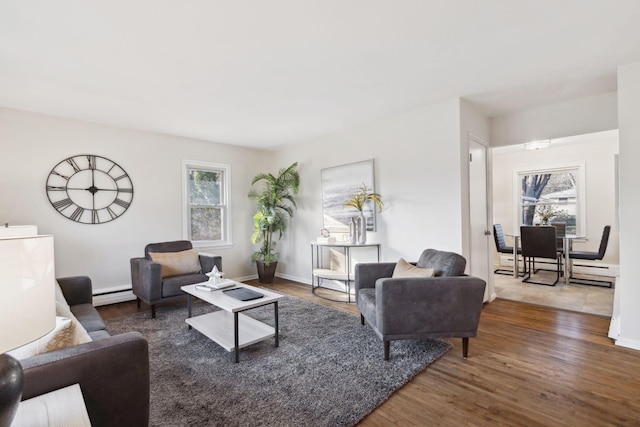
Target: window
554,195
205,199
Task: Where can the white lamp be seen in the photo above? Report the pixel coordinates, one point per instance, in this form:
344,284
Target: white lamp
27,308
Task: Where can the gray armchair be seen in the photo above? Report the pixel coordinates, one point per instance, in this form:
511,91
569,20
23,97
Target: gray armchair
146,276
445,306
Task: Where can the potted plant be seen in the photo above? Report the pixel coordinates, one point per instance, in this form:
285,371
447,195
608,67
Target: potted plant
357,200
276,203
546,212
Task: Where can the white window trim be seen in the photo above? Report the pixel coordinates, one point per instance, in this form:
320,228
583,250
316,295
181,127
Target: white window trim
581,211
199,164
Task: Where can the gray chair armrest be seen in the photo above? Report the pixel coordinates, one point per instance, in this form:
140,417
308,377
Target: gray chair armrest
76,289
208,261
113,374
429,305
366,274
146,279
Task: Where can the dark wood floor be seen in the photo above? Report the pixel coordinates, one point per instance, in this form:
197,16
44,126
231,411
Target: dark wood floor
528,366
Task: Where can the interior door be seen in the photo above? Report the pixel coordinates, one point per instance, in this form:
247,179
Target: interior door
480,239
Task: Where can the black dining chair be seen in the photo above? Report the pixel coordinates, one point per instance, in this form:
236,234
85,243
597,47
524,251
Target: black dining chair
501,247
592,256
561,231
539,242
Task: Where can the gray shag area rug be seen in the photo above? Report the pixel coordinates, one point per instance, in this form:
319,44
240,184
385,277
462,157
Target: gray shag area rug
327,371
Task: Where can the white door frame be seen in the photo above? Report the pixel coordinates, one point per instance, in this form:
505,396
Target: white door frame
490,294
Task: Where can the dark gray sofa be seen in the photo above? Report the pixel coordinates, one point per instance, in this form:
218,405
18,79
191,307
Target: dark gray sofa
113,371
445,306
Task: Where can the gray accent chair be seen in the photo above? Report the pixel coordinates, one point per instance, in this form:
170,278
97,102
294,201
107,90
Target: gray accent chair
146,278
445,306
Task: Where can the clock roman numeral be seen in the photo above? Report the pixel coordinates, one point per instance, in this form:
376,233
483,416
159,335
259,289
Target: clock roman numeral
77,214
94,217
111,213
54,188
60,175
124,175
74,165
61,205
125,190
92,161
121,203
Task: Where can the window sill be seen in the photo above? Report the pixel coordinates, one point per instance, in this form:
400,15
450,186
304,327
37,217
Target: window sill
210,245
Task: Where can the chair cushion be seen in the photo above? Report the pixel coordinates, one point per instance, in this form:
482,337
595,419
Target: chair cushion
404,269
171,285
88,316
444,263
367,305
177,263
99,335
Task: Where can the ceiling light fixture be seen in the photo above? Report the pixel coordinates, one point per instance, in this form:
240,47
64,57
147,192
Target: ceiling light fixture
537,145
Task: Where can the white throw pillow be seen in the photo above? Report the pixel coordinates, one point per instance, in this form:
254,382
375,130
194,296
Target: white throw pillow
62,336
60,296
404,269
80,334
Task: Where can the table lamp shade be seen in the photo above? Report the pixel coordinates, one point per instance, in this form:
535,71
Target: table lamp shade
27,290
27,308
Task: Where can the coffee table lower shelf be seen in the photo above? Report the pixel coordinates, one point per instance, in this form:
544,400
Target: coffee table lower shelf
219,327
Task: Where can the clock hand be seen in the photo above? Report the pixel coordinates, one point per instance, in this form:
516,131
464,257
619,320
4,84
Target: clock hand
94,189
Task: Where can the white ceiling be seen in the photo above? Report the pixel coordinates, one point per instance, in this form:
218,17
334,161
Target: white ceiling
268,73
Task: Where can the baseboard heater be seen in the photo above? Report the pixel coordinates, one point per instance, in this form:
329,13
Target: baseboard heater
113,296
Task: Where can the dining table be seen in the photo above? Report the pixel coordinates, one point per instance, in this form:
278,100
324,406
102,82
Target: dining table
567,244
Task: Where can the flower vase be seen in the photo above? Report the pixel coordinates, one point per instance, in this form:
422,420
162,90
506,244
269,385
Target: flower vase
362,238
353,230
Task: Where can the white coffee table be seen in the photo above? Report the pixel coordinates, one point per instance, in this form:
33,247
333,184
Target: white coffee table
228,327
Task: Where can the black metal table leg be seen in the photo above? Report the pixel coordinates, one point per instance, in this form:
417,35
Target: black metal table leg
189,306
275,309
236,338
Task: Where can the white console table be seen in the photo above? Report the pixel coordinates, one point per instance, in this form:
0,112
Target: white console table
59,408
319,273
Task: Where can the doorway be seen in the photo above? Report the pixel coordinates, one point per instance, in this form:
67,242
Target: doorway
598,153
479,260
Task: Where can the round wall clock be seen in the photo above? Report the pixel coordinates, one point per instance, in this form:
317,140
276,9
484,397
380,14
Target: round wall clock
89,189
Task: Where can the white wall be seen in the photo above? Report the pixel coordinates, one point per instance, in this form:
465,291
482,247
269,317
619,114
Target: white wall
627,294
577,117
417,171
31,144
596,152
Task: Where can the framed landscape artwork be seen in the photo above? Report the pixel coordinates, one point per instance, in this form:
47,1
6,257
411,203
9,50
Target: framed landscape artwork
338,183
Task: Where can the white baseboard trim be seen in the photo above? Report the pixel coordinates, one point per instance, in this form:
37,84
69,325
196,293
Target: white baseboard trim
245,278
628,343
293,278
614,328
335,285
